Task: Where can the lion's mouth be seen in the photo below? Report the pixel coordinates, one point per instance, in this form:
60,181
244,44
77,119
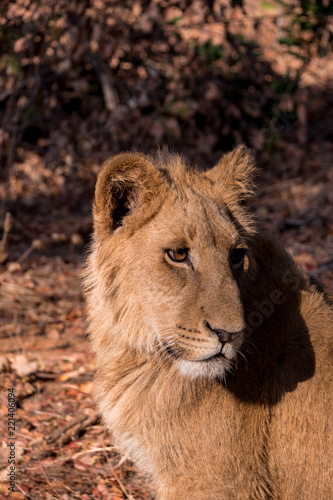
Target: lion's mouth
227,352
219,355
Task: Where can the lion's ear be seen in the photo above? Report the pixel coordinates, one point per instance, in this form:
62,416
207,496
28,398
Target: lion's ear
235,171
125,183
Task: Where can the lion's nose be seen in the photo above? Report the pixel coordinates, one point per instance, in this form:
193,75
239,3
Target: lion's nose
223,335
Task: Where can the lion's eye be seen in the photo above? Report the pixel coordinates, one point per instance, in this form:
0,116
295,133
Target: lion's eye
178,255
237,258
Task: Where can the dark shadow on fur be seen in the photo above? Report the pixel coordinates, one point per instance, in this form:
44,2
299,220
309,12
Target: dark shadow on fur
265,380
278,353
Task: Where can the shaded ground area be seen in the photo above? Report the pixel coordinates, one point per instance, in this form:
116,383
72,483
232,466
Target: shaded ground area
83,80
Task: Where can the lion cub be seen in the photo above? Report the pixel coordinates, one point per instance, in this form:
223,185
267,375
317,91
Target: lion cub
213,349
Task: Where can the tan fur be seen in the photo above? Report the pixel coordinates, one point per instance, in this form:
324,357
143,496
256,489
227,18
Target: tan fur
252,423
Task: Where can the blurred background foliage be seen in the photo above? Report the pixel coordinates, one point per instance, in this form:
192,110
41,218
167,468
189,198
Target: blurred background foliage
99,76
82,80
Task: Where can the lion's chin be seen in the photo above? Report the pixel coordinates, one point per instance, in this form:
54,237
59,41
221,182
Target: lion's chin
215,367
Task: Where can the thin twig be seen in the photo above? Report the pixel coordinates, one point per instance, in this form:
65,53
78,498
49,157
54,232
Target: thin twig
115,476
94,450
49,482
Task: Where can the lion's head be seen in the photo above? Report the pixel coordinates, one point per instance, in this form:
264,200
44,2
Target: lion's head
170,258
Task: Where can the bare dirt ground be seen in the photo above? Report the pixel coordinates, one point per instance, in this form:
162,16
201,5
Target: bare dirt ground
84,80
